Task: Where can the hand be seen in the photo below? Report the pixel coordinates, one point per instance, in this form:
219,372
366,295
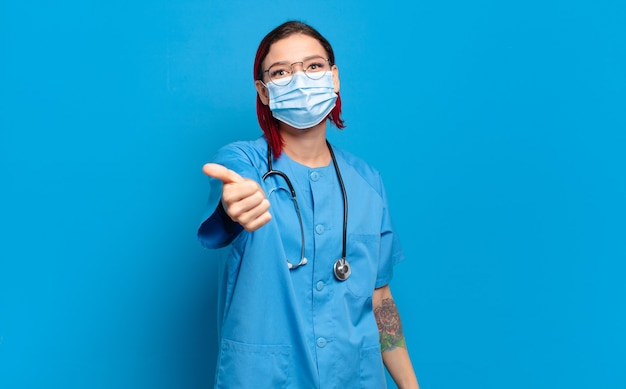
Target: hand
243,199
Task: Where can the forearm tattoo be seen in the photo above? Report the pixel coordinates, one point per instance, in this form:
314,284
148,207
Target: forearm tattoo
389,325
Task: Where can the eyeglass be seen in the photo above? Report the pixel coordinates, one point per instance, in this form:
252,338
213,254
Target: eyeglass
281,73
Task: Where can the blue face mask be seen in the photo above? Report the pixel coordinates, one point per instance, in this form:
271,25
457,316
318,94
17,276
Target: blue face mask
304,102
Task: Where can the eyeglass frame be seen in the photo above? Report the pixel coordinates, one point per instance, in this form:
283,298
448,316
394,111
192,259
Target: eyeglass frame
302,65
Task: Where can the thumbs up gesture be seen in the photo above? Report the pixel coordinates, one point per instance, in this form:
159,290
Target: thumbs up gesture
243,199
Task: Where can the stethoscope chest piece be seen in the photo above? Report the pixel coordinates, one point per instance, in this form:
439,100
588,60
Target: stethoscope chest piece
342,269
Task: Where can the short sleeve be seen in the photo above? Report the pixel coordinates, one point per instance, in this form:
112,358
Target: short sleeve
391,252
216,228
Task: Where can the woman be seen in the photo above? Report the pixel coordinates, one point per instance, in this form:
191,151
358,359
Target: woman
304,299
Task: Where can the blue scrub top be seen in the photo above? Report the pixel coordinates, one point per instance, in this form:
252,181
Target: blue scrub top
301,328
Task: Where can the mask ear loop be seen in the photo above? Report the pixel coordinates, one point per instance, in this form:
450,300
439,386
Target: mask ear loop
271,171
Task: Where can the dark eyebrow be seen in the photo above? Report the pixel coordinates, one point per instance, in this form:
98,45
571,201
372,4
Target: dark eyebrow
303,59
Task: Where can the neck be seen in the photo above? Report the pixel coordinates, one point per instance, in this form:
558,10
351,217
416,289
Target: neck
307,147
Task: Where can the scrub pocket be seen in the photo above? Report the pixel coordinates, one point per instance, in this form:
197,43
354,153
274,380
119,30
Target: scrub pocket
245,366
362,254
372,370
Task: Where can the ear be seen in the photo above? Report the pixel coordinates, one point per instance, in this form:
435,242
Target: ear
335,71
262,91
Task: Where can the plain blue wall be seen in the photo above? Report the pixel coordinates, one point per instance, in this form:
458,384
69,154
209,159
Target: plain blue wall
499,128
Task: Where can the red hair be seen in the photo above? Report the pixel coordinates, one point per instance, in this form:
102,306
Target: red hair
268,123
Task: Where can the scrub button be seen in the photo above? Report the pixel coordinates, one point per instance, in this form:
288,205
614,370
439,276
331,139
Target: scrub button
320,229
320,285
315,176
321,342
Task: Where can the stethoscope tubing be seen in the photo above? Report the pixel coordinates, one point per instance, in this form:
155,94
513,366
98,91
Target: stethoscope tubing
345,203
341,268
270,172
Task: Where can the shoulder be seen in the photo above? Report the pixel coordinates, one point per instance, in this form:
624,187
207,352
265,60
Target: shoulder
244,148
250,150
362,167
244,157
359,166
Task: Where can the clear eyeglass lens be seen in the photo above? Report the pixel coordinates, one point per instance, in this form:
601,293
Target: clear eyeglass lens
314,68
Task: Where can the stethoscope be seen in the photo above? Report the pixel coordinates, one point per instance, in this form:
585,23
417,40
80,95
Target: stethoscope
342,267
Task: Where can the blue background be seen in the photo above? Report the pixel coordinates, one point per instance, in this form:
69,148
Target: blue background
499,128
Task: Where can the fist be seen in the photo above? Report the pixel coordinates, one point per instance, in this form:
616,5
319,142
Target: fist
242,198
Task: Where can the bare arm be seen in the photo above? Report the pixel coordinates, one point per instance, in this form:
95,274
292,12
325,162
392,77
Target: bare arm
392,343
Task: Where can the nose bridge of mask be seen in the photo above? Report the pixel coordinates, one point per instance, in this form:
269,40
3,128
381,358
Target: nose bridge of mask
300,80
300,84
305,82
